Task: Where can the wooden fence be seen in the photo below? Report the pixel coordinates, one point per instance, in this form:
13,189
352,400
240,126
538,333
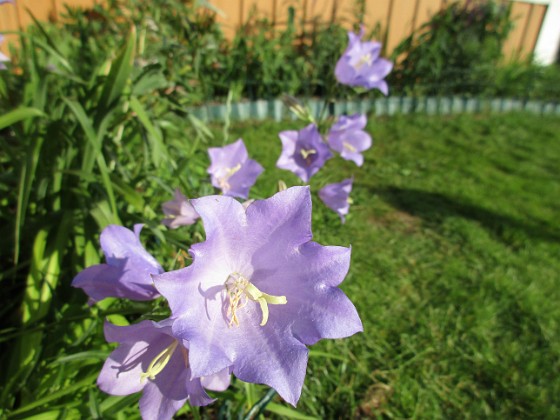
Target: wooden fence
397,18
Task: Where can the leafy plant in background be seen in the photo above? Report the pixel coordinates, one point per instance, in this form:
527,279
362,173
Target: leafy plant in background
456,51
80,139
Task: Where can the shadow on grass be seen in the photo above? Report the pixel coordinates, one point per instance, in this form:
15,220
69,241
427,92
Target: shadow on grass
433,208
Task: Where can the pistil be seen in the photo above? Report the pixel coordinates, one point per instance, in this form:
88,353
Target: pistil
240,291
229,172
159,362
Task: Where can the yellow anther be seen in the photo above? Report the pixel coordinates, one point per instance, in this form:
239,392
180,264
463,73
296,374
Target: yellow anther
282,186
306,152
348,147
159,362
223,180
349,200
240,291
364,59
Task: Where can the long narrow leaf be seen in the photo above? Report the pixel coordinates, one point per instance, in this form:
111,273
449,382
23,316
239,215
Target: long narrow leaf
118,76
19,114
159,152
88,382
94,152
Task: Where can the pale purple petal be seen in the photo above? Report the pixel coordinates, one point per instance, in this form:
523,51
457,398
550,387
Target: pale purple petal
123,368
336,197
268,247
348,138
127,273
139,346
231,170
303,152
360,65
179,211
217,382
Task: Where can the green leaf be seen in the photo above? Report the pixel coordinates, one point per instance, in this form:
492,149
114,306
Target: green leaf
87,382
118,76
287,412
84,355
159,151
131,196
19,114
94,152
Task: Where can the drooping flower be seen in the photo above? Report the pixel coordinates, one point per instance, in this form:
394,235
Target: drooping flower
3,57
337,197
150,359
360,64
258,291
127,273
303,152
178,212
347,137
231,169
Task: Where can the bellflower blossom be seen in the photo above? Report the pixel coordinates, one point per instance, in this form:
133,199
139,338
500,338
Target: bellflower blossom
151,360
259,291
347,136
303,152
231,169
360,64
179,211
337,197
127,271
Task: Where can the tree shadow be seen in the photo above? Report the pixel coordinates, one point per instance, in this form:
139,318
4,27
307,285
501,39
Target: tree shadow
434,208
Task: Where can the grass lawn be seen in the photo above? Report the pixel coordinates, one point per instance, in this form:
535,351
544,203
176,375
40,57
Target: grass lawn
455,268
455,273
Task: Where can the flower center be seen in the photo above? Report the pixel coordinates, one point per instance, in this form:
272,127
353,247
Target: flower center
159,362
223,180
306,155
364,59
240,291
348,147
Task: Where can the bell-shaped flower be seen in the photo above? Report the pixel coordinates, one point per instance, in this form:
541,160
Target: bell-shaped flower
3,57
178,212
259,291
150,359
231,169
337,197
303,152
360,65
347,137
127,273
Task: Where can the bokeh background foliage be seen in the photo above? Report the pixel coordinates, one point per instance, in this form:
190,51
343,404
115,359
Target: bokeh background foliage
455,241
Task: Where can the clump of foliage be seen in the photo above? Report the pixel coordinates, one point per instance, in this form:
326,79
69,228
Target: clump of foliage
456,51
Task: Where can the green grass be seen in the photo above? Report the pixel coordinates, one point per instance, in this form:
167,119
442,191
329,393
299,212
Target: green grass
455,273
455,269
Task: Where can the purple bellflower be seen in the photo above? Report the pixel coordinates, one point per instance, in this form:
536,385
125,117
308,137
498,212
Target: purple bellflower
178,212
347,137
231,169
360,64
303,152
3,57
337,197
259,291
151,360
127,273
